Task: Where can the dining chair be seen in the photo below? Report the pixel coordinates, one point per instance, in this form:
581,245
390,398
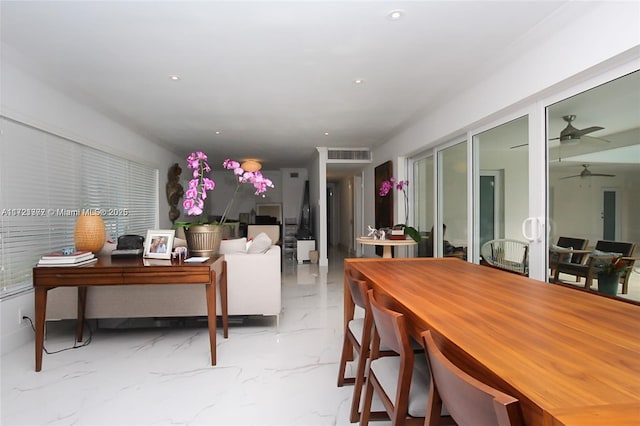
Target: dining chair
589,269
401,382
468,401
357,338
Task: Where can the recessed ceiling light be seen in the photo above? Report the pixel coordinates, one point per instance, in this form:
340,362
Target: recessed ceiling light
174,77
358,81
394,15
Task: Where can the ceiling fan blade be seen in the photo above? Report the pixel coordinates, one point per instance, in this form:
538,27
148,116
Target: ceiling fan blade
519,146
594,139
579,133
569,177
602,175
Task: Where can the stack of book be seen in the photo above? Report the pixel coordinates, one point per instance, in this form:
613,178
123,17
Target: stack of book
397,234
78,258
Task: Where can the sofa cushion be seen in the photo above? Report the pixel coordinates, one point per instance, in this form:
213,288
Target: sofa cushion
260,244
238,245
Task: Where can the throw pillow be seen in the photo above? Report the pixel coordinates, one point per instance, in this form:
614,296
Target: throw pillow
238,245
261,244
603,257
600,253
558,255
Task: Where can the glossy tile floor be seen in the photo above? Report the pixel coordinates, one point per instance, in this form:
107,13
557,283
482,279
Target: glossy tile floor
266,375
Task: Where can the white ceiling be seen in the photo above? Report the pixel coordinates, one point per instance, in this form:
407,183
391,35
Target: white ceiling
271,77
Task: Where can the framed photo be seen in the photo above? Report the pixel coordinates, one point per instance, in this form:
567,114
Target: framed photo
159,243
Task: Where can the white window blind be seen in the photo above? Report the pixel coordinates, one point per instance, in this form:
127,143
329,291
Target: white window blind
45,179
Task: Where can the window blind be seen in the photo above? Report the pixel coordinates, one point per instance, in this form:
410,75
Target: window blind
45,180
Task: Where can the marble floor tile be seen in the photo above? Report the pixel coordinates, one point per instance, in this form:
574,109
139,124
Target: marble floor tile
267,373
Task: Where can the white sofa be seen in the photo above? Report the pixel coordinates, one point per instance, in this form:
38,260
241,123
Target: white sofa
253,281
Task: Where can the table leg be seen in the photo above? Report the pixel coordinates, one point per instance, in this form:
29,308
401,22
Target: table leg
82,303
211,314
224,301
40,315
386,252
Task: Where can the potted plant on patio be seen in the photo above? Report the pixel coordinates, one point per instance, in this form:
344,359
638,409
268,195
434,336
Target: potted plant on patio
609,271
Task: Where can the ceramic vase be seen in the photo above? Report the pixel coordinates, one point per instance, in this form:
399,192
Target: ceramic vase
89,233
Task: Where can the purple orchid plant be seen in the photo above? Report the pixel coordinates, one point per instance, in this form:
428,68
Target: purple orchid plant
200,184
400,185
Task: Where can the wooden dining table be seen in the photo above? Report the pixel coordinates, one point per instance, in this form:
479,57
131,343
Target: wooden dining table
571,357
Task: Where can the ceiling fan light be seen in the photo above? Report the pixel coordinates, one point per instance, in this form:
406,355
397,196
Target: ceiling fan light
251,166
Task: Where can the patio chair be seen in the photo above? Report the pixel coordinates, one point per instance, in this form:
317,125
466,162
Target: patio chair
507,254
589,270
556,257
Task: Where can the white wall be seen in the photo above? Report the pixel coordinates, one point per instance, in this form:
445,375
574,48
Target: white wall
579,47
32,102
577,205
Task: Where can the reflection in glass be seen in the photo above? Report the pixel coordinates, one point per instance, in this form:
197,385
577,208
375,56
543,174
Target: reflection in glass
452,170
423,194
594,175
504,181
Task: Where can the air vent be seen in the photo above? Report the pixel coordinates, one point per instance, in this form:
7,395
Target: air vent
349,154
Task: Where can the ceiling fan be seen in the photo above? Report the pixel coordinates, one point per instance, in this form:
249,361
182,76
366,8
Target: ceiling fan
571,134
587,173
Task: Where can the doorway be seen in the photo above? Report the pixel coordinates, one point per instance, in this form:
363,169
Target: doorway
491,213
610,202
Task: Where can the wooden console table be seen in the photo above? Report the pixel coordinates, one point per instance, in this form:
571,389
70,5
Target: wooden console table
129,271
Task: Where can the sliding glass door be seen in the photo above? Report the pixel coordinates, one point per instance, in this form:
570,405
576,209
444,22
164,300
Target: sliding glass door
452,235
423,212
593,145
501,182
566,166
